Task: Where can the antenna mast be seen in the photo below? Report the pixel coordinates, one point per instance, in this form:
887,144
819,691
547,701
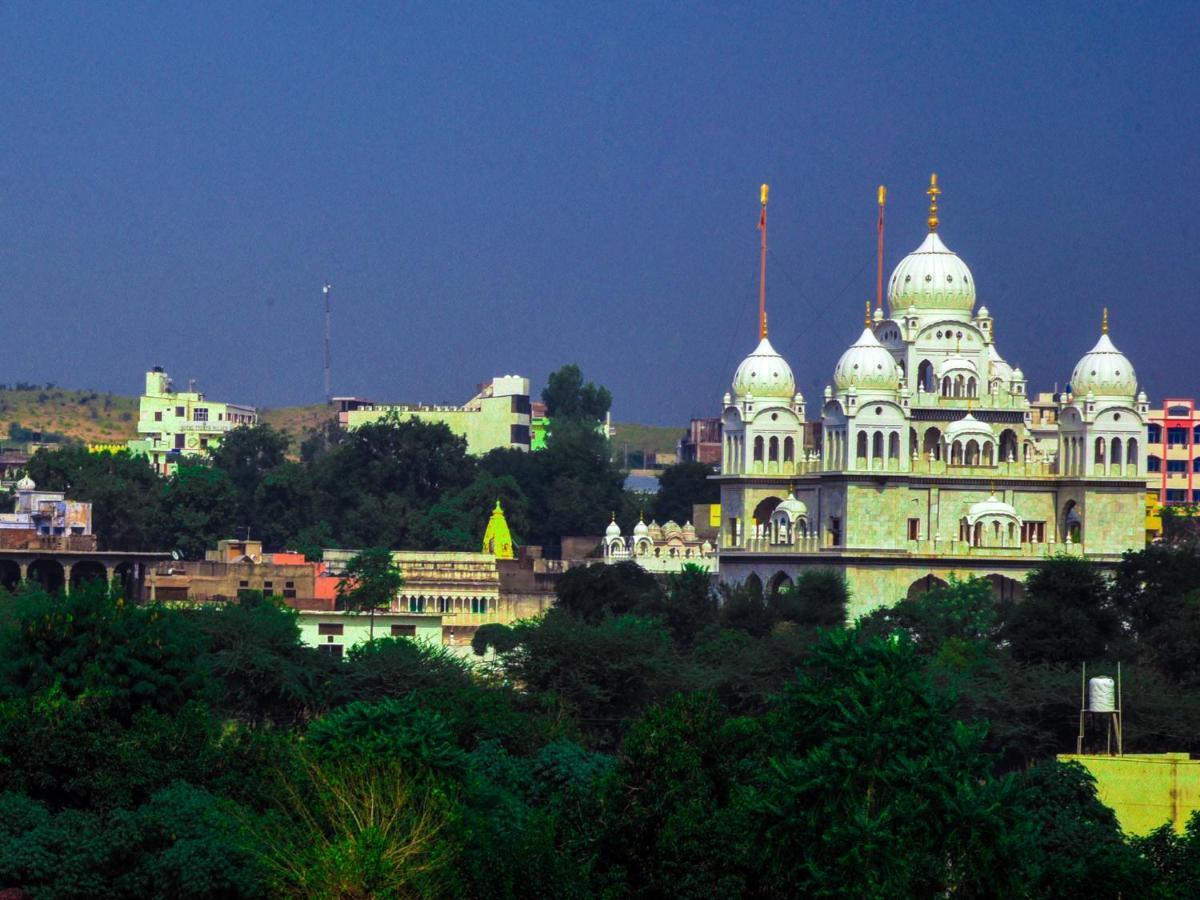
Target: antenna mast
328,382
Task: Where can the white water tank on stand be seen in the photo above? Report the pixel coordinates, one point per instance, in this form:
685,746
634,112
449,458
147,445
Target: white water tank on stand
1102,695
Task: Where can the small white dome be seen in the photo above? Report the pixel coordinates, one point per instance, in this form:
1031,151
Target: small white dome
764,373
1104,371
993,507
983,313
26,484
968,427
640,529
932,277
793,508
867,365
613,530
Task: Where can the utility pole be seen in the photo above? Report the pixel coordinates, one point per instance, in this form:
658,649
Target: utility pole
328,382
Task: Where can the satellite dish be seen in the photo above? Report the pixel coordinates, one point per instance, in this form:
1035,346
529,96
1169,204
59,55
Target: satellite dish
175,555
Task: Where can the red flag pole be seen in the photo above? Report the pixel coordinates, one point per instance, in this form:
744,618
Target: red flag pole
879,281
762,275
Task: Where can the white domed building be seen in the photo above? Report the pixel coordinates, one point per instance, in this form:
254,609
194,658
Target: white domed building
925,464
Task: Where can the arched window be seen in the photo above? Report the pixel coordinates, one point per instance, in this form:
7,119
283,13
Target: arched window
958,385
989,458
758,449
971,390
774,450
894,446
932,443
1098,459
789,450
862,445
1116,454
877,445
1153,463
925,380
946,386
972,452
1131,451
1008,445
956,453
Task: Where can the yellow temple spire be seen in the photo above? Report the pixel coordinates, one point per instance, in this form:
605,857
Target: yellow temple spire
1104,322
497,539
933,193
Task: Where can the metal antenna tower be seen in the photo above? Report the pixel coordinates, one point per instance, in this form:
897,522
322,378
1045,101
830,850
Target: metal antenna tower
328,381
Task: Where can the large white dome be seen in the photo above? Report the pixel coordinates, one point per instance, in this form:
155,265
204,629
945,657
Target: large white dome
764,373
1104,371
931,277
867,365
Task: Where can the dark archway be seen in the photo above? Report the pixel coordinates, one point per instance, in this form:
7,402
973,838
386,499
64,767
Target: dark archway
48,573
762,515
923,586
780,582
1006,590
125,580
10,574
753,583
86,571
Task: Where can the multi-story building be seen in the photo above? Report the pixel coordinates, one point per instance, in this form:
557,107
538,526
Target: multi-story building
1173,453
497,416
176,424
46,519
701,442
930,463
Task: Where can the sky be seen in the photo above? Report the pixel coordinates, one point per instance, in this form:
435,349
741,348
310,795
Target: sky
499,188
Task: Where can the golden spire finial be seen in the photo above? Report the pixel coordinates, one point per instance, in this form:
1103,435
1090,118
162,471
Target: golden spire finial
764,323
1104,322
867,317
763,193
933,192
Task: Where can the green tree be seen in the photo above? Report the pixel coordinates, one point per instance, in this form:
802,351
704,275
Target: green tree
1067,615
682,486
198,509
247,454
123,490
594,592
370,581
459,520
567,397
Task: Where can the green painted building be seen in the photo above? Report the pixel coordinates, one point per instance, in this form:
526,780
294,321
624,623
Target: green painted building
497,416
927,464
177,424
336,632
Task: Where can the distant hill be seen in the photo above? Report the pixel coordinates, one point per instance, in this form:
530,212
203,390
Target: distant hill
659,438
297,421
50,412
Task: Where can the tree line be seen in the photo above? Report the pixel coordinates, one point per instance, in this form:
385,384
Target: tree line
644,738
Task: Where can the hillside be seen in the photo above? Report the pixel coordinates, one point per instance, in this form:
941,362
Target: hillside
659,438
297,421
86,415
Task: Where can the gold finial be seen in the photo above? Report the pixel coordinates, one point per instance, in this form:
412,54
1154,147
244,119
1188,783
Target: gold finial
1104,322
882,195
867,317
763,193
933,192
764,328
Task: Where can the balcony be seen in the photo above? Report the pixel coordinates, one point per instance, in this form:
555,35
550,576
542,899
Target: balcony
811,546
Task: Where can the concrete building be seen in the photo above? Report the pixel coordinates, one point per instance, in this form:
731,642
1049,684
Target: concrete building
1173,453
335,632
701,442
1145,790
497,416
176,424
46,519
929,465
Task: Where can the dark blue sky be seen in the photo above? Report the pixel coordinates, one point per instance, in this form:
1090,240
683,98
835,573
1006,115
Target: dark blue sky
506,187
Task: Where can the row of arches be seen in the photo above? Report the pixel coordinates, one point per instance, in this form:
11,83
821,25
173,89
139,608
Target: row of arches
420,603
1110,456
772,446
1004,588
54,577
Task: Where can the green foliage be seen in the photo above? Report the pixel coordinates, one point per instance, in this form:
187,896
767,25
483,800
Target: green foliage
388,729
593,592
94,643
500,638
1067,615
567,397
370,581
817,599
198,508
680,487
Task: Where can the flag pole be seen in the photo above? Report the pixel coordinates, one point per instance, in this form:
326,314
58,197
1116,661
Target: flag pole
762,273
879,280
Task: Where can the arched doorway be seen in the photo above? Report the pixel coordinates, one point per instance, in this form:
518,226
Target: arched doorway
762,515
753,584
780,583
48,573
1005,589
1072,524
10,574
87,571
923,586
125,580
